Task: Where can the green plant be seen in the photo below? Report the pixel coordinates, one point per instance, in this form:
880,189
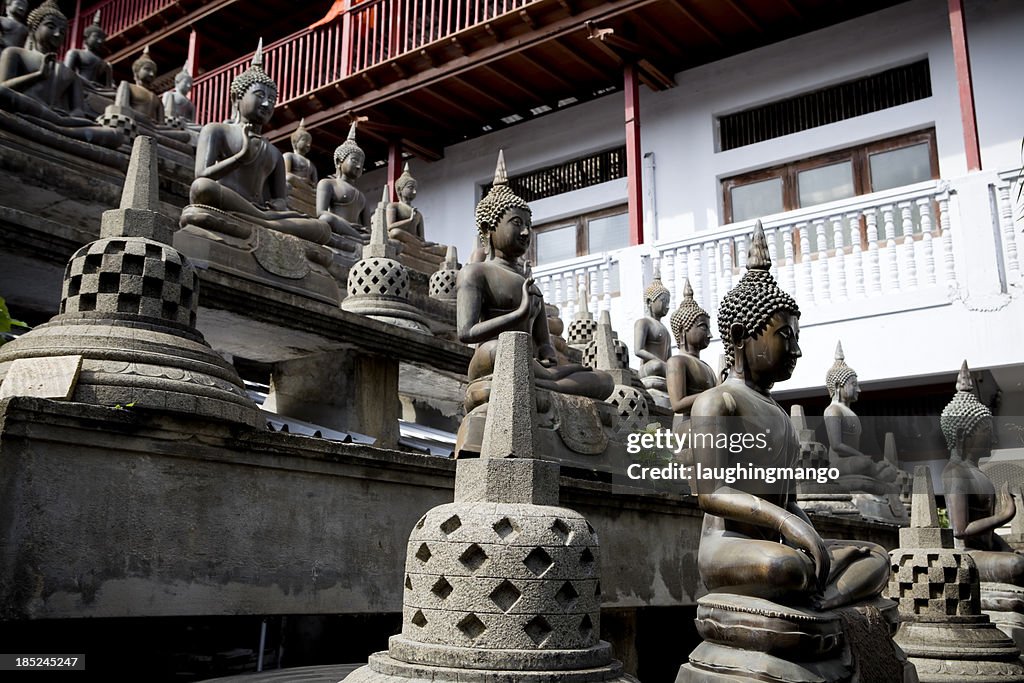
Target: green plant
6,321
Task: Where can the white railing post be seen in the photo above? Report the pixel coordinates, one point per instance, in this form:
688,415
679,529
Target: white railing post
890,274
948,258
822,291
839,258
856,255
924,208
874,285
668,275
908,272
606,277
806,284
1006,231
787,281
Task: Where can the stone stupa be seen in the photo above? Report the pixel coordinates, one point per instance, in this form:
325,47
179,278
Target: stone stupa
125,334
501,586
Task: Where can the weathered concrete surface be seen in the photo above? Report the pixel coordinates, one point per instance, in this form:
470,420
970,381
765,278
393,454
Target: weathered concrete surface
111,513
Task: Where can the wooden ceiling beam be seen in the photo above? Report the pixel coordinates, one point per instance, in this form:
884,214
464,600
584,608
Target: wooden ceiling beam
562,83
697,21
185,21
739,9
571,54
483,57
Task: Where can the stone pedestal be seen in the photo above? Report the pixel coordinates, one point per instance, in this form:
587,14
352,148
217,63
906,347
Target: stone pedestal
341,390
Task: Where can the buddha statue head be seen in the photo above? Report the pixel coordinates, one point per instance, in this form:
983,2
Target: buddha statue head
657,297
16,9
94,36
349,157
253,92
503,218
759,320
302,141
967,422
691,323
183,81
144,69
406,185
46,27
841,379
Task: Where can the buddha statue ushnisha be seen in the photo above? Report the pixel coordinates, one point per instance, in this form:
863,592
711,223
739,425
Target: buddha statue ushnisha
686,374
239,173
844,428
756,542
41,89
499,295
976,508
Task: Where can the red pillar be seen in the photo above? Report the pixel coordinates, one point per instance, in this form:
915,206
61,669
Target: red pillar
962,59
394,168
75,34
193,53
634,164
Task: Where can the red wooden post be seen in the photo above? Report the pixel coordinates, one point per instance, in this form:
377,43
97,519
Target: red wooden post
962,59
634,164
346,41
75,36
193,53
394,167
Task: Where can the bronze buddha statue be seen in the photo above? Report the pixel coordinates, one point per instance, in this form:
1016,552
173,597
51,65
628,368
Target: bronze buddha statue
686,374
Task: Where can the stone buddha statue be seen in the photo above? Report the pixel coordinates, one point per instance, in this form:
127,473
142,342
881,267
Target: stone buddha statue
651,338
240,175
499,295
686,374
339,202
44,91
976,508
405,225
178,108
13,30
300,171
844,430
88,63
767,569
297,163
146,107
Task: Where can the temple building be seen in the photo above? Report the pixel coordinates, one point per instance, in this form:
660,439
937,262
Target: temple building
876,142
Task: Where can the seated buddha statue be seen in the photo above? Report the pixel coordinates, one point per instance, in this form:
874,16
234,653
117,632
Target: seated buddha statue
339,202
297,163
87,62
13,30
42,90
686,374
405,224
499,295
756,542
651,338
240,174
976,508
145,103
300,171
178,108
844,430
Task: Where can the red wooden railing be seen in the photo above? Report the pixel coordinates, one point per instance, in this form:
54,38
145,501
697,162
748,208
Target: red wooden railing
366,34
117,16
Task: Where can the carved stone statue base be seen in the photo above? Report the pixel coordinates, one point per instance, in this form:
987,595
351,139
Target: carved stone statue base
266,256
302,197
1004,604
752,639
572,430
28,129
392,311
422,261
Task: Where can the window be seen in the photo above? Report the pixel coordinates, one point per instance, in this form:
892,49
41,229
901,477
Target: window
591,233
869,168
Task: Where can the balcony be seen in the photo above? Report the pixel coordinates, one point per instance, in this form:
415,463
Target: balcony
938,255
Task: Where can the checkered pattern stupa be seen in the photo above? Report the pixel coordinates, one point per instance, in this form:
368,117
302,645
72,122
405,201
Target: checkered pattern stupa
501,586
127,318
